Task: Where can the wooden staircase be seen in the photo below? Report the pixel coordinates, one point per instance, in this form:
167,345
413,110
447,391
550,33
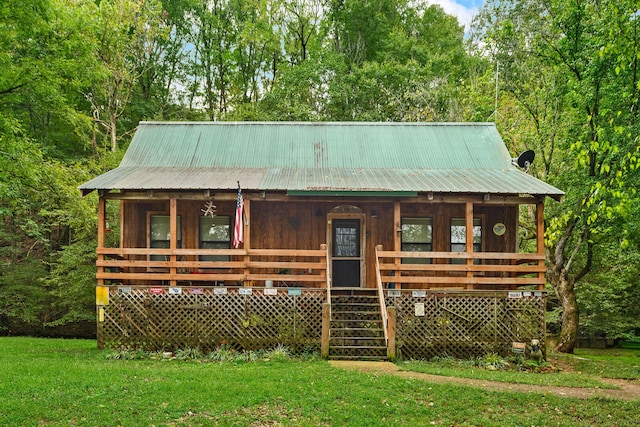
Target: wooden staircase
356,330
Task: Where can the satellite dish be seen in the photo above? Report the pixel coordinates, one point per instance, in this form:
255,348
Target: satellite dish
525,159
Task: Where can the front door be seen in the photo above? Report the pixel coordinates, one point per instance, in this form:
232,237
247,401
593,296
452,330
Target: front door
346,252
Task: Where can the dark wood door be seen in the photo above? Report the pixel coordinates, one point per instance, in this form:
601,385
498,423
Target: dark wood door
346,252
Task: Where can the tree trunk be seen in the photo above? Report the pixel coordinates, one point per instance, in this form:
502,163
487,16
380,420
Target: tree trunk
113,131
565,290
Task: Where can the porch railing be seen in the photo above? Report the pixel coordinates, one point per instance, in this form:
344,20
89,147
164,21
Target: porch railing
383,305
460,270
260,267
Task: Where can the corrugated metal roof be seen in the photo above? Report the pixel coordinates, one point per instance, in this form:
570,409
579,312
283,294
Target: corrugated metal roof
354,156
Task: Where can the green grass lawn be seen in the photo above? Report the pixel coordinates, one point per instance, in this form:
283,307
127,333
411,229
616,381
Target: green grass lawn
582,369
68,382
609,363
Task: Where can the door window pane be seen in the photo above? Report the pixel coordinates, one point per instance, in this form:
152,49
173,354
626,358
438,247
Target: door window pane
346,238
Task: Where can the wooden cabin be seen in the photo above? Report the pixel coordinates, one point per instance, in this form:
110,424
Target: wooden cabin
361,239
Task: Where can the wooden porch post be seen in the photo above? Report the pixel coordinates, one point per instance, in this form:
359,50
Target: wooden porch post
102,208
246,225
173,237
391,327
397,237
326,327
469,239
540,238
100,290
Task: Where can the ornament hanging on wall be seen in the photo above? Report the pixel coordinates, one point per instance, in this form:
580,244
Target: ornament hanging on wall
209,209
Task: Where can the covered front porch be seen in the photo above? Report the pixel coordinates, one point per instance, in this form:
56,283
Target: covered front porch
428,302
415,243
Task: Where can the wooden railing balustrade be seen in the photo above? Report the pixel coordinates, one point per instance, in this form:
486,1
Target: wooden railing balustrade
477,270
293,267
240,267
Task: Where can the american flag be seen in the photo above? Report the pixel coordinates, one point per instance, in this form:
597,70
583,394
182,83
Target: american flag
238,230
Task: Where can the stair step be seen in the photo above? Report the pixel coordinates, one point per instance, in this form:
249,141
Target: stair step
356,307
364,313
351,323
356,329
346,357
376,338
355,311
341,357
346,296
359,347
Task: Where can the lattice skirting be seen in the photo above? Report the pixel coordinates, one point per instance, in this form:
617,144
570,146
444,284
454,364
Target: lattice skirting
464,326
458,325
155,319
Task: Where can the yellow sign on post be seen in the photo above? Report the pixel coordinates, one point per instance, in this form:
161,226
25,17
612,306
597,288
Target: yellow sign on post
102,295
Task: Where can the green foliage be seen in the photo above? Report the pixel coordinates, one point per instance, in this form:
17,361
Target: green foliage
279,354
609,297
569,90
21,295
76,76
189,353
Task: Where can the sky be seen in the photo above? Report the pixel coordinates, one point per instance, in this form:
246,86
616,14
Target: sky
464,10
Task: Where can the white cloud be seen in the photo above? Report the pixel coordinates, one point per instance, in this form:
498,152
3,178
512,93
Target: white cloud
464,12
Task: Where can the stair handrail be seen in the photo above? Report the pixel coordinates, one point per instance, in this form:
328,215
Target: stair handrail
328,275
383,304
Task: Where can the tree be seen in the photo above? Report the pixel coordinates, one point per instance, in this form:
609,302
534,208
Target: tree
46,58
584,55
402,63
127,33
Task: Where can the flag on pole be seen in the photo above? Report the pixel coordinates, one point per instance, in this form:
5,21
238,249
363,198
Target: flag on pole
238,230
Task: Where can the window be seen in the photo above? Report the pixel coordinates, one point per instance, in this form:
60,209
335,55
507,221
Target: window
215,233
459,237
417,235
160,234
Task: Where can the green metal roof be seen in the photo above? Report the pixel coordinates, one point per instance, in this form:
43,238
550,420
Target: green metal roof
320,157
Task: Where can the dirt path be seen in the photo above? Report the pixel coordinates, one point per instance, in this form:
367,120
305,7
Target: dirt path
629,390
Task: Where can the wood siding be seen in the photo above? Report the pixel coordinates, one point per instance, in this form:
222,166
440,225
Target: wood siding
301,224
